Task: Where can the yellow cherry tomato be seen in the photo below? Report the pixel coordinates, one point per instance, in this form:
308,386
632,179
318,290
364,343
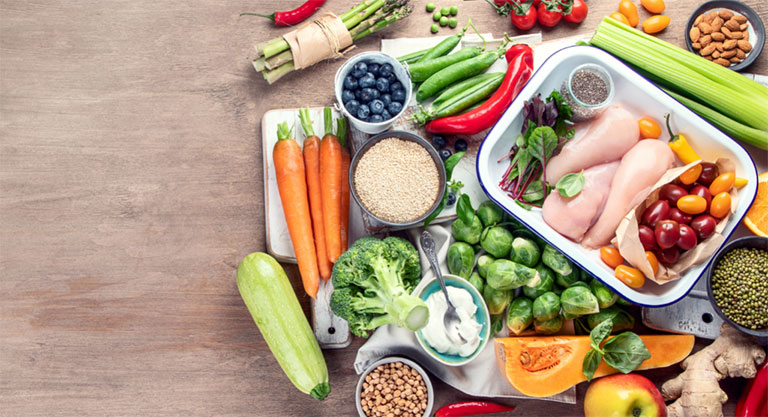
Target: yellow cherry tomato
620,17
629,10
649,129
692,204
655,24
651,257
721,205
653,6
740,182
632,277
611,256
724,182
691,174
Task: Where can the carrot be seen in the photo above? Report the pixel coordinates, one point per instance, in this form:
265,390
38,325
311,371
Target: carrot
289,169
312,162
341,133
330,177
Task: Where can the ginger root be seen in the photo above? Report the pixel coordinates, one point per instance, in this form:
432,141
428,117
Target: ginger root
732,354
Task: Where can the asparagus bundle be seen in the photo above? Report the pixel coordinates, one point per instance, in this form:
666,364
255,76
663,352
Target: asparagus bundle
275,58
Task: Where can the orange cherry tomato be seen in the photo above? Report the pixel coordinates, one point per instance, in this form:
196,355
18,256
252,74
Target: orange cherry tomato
649,129
654,6
629,10
611,256
651,257
620,17
720,206
632,277
691,174
722,183
656,24
692,204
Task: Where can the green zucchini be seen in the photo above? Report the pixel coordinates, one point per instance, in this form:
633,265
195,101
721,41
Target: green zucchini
274,307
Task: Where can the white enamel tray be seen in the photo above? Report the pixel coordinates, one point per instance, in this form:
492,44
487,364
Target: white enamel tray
642,98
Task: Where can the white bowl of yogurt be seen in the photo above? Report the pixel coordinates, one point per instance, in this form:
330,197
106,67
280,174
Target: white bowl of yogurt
475,326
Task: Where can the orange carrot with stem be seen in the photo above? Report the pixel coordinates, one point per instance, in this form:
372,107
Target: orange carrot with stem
330,177
291,182
312,163
341,133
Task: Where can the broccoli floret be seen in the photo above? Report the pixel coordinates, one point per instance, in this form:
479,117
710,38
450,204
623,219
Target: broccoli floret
372,285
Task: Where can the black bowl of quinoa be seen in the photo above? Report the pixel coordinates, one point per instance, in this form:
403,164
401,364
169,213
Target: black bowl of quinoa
397,178
737,285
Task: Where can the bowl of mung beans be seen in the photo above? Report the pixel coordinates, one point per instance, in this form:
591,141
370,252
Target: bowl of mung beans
397,178
737,284
394,386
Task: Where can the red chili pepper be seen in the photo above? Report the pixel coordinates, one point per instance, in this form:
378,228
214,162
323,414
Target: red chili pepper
483,117
471,408
755,396
515,50
292,17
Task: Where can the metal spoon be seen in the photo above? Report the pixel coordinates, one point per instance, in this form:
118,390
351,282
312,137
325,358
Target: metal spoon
451,318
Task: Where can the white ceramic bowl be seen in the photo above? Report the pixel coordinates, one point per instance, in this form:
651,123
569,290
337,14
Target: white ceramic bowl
412,364
643,99
379,58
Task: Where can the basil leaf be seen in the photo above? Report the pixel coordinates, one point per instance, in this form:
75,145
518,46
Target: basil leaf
590,364
450,164
600,332
464,209
542,143
570,184
625,352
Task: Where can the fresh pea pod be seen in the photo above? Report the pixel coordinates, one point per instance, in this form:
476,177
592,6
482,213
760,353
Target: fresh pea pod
413,56
445,46
421,70
457,72
461,101
462,86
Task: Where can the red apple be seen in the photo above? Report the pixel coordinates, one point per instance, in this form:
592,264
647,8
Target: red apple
622,395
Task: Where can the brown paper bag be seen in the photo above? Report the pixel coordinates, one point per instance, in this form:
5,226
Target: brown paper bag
323,38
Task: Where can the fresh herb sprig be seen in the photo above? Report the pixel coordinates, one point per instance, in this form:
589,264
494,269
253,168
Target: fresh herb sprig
624,352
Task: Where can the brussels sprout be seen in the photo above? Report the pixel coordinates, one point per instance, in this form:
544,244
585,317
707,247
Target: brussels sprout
569,316
519,315
467,233
585,276
605,297
489,213
566,281
483,262
497,323
623,302
497,241
460,259
621,319
504,274
525,251
546,282
549,326
556,261
496,300
578,300
580,284
476,281
546,307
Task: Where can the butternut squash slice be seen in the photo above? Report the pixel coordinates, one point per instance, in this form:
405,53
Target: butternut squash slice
541,366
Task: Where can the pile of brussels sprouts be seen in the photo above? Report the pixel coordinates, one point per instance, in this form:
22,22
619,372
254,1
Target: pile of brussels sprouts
519,273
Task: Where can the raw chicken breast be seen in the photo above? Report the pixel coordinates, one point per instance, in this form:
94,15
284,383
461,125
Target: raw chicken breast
607,138
639,170
572,216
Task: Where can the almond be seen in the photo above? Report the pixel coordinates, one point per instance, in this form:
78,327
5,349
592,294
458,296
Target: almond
722,61
707,50
728,54
713,14
746,36
744,45
695,34
698,20
729,44
725,14
705,40
707,18
739,18
709,57
735,60
718,36
716,54
718,46
732,25
696,46
743,27
735,35
705,28
717,23
740,54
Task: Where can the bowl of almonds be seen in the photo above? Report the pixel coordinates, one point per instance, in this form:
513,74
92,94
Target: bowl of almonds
726,32
394,386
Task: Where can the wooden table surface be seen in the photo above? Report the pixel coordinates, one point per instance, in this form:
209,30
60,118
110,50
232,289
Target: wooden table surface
130,189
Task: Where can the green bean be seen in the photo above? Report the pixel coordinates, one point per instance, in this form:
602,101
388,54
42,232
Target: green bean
473,95
457,72
413,56
462,86
421,70
472,107
445,46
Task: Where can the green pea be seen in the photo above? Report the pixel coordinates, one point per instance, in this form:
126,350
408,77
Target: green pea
452,22
430,6
436,17
445,11
443,21
434,28
454,10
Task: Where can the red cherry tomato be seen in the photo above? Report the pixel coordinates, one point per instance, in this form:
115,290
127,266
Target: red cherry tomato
549,16
678,216
672,193
704,226
702,191
523,21
647,237
667,232
669,256
578,12
709,172
656,212
686,187
687,239
536,3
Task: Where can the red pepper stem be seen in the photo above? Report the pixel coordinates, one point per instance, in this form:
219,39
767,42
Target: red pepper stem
268,16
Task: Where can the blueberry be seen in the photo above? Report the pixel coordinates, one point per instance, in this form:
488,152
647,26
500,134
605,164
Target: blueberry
366,95
451,200
445,153
382,85
438,141
374,68
347,95
376,118
358,93
363,112
377,106
391,78
386,115
350,82
359,70
376,93
397,85
394,107
352,106
460,145
385,70
398,96
386,98
367,82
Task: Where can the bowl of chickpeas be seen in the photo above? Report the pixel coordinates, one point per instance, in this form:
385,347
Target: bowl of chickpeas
394,386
